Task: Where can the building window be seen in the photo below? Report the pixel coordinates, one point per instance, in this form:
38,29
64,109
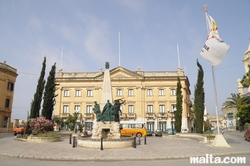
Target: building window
78,92
89,93
10,86
131,92
149,92
173,107
230,115
150,108
150,126
161,92
89,126
66,92
131,125
162,108
130,109
7,103
89,109
65,109
172,92
77,108
119,92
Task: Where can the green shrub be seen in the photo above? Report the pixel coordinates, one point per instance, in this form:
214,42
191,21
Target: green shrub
47,135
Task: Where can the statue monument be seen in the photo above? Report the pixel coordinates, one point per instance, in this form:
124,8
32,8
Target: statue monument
107,124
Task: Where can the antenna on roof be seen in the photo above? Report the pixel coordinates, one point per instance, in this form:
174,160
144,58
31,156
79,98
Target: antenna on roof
61,56
119,33
179,63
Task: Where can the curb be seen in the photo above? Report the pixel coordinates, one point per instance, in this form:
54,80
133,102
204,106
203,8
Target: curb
115,159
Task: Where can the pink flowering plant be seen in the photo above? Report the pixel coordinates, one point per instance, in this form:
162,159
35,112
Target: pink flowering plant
40,125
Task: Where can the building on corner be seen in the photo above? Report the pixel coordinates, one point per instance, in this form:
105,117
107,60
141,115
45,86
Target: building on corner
8,76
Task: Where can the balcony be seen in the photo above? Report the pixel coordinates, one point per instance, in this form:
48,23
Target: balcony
150,115
64,115
162,115
123,116
88,116
131,116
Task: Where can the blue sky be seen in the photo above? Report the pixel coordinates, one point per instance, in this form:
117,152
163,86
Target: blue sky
150,31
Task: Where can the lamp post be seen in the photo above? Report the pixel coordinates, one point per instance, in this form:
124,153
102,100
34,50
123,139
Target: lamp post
172,120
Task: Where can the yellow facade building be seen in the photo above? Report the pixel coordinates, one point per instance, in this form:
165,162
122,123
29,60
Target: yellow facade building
8,76
150,96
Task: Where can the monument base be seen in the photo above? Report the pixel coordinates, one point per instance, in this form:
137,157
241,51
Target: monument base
106,130
219,141
125,142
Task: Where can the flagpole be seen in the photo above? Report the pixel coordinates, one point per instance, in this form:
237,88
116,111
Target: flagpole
205,7
119,47
179,63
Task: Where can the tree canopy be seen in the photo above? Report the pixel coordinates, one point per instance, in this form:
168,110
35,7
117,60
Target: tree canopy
178,112
199,99
36,102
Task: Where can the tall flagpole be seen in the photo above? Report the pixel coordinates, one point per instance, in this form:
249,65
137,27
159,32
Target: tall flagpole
179,63
119,48
61,56
205,7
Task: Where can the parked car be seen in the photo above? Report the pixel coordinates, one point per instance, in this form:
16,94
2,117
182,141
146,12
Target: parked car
212,128
19,129
247,135
149,133
184,130
158,133
170,131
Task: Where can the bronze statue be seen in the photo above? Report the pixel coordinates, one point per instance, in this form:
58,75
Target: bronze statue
97,111
109,113
116,110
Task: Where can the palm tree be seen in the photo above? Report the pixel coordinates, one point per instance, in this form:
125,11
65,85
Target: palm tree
236,101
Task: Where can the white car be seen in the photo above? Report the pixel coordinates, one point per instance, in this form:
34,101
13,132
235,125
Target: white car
184,130
212,128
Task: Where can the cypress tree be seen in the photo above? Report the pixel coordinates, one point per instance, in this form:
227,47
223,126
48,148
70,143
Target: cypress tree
36,102
49,94
199,98
178,112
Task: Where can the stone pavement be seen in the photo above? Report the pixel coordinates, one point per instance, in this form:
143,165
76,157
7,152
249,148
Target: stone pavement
156,148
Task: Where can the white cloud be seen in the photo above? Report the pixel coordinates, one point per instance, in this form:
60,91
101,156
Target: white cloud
96,37
137,6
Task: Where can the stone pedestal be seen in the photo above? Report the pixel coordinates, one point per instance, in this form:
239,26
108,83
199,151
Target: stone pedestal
106,130
220,141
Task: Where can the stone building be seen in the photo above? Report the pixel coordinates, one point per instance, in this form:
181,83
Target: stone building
229,114
229,118
150,96
8,76
246,62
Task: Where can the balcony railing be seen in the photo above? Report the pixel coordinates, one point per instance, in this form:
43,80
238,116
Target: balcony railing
150,115
88,116
64,115
131,116
123,116
162,115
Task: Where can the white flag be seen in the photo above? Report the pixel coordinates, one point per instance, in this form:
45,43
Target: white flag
214,48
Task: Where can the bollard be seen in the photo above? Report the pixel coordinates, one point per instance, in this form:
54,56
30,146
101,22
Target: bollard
101,143
70,138
74,142
145,141
139,140
134,142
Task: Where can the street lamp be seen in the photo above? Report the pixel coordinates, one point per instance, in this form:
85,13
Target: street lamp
172,120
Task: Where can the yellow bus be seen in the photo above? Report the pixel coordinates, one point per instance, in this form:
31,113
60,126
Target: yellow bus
133,129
